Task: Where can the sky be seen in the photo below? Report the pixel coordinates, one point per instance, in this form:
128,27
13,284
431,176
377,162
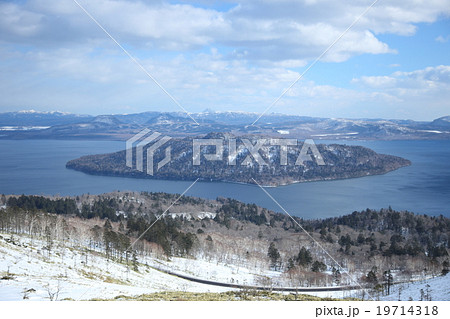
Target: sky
393,63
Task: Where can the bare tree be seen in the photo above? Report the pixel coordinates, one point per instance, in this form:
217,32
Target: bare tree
53,294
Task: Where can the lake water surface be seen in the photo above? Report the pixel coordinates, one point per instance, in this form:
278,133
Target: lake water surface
38,167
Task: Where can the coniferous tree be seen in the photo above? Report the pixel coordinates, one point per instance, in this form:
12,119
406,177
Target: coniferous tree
135,261
304,257
274,255
336,275
371,277
318,266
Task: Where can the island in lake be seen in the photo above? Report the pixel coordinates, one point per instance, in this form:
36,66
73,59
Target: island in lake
339,162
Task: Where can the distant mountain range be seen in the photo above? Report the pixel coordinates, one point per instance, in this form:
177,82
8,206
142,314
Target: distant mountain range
35,118
43,125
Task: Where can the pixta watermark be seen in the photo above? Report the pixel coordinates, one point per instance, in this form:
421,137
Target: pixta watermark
140,141
308,150
214,149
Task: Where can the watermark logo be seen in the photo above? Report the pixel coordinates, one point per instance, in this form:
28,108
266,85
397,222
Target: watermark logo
139,142
144,145
308,151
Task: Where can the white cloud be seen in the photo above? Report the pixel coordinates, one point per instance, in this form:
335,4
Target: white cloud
377,81
263,30
83,77
18,22
442,39
51,53
438,74
423,92
430,78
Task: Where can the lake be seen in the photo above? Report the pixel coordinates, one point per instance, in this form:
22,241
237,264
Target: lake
38,167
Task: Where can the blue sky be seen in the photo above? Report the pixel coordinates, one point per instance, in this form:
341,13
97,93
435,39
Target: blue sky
228,56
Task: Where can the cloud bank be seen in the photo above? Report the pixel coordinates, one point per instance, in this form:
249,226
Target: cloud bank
226,55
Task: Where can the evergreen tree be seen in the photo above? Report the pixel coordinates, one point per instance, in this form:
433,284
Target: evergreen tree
318,266
304,257
371,277
135,261
274,255
336,275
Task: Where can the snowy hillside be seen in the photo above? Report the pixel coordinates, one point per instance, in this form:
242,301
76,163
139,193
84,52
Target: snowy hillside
80,276
28,271
73,253
438,290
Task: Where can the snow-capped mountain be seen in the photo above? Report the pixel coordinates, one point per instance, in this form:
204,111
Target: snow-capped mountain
36,118
120,126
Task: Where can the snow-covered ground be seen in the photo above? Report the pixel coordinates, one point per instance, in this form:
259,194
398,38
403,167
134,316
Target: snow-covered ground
74,274
438,290
71,273
214,270
33,268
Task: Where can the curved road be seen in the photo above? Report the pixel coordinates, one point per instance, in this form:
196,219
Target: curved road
236,286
